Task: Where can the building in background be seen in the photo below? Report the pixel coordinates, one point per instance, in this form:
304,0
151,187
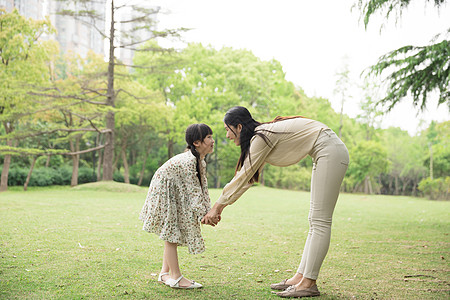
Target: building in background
82,35
77,35
28,8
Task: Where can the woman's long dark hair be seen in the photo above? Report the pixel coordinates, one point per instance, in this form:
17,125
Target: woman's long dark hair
197,132
240,115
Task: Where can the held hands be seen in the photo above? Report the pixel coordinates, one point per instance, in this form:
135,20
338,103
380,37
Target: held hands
213,216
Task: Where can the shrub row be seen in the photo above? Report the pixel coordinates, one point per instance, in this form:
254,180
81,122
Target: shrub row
48,176
42,176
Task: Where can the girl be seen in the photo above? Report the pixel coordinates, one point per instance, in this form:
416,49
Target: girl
176,202
283,142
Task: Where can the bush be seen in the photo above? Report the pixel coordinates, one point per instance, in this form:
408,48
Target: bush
293,177
17,176
66,174
48,176
44,177
86,175
118,177
435,189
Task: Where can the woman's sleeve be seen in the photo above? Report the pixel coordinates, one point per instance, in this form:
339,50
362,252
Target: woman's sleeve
240,182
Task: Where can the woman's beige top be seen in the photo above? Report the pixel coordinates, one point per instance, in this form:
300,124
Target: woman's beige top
291,141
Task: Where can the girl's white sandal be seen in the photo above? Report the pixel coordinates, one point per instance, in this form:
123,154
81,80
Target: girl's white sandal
160,278
175,283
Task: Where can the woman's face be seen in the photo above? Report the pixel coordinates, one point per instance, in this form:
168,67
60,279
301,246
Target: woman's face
233,133
205,147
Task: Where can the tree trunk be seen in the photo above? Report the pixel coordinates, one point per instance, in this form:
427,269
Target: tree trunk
396,185
431,161
99,166
75,161
93,159
170,148
100,161
5,171
341,123
405,185
390,186
368,186
216,164
379,184
6,160
115,163
141,175
47,162
25,186
126,175
414,188
108,154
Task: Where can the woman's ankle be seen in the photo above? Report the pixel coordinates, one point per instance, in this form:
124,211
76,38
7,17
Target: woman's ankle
295,279
305,283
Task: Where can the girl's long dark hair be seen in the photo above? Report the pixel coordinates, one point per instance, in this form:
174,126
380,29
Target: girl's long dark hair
197,132
240,115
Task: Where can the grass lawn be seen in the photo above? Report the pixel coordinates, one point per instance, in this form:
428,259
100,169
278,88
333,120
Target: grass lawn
87,242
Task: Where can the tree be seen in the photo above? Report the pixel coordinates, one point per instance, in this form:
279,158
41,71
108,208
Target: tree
23,57
341,90
413,70
438,139
368,160
370,115
72,112
138,27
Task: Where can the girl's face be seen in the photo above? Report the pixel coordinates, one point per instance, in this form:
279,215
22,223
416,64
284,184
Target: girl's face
233,133
206,146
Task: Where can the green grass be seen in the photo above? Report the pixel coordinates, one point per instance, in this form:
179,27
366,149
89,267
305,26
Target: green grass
63,243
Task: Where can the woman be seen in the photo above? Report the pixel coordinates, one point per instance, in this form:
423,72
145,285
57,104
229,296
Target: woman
176,202
283,142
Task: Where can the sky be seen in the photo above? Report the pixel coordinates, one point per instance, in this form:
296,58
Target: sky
313,40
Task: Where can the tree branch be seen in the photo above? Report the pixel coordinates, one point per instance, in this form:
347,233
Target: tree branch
34,134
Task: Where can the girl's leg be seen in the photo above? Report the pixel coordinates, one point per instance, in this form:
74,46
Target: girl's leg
171,259
165,266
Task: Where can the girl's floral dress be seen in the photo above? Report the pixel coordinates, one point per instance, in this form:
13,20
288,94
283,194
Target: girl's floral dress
176,202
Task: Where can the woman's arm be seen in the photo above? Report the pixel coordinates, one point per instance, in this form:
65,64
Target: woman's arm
240,182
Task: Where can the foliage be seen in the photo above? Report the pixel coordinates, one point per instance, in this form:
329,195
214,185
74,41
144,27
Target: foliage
368,159
156,101
206,82
418,72
413,70
436,189
24,62
294,177
42,176
386,7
